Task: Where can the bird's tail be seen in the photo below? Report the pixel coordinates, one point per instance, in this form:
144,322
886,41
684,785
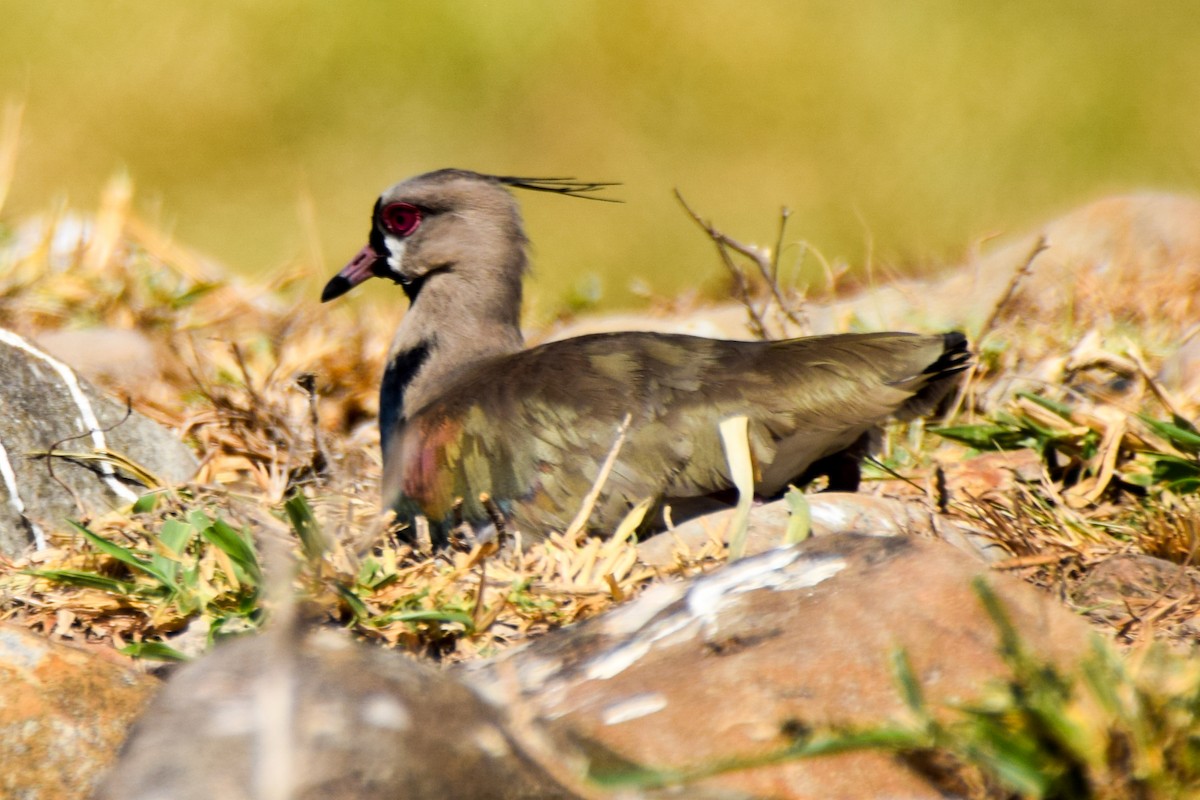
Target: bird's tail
942,376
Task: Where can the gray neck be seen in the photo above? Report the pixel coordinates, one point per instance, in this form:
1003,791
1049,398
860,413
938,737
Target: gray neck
455,321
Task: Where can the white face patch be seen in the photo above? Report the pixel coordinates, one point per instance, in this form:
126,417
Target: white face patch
395,259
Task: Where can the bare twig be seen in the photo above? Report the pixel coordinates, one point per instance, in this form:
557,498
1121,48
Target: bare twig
724,243
1159,392
321,460
255,399
1038,248
54,452
969,378
768,268
457,535
1036,560
785,214
477,611
875,462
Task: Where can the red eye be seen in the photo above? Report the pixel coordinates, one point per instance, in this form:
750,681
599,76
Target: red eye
400,219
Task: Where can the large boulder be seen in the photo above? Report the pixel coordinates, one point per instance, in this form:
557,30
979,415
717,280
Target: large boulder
49,409
1095,255
727,667
732,664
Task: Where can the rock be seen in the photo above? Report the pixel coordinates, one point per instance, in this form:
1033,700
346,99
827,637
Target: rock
1127,588
727,665
108,356
1096,252
832,513
1180,372
49,407
993,473
63,715
323,718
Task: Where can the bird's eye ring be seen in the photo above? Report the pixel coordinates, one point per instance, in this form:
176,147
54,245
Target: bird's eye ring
400,219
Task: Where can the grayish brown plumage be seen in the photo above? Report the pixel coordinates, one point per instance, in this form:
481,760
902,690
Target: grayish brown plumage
466,410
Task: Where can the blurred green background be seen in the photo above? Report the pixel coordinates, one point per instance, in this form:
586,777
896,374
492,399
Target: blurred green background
903,132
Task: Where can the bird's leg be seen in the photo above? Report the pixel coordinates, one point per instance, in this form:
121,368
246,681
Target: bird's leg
496,516
462,538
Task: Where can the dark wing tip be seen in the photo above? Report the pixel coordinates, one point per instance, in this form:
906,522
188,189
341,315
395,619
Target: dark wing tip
567,186
955,357
942,376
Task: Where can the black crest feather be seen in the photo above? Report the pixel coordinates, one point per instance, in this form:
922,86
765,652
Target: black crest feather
567,186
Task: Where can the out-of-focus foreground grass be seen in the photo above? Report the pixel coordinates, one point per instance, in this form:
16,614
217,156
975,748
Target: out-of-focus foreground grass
899,132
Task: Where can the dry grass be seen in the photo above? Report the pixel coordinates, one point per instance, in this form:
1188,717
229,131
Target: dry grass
279,396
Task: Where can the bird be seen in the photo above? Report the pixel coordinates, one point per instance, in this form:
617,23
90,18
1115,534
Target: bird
473,423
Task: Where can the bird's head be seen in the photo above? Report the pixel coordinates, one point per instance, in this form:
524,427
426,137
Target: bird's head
445,222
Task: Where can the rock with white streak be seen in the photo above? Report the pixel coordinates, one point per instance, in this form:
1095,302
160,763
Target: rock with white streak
48,408
733,664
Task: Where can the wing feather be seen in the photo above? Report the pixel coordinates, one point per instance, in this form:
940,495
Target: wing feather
532,429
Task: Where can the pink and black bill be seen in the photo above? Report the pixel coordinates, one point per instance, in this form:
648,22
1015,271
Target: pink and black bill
361,267
371,262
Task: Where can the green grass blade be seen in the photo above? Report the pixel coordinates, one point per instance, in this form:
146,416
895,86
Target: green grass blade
429,615
174,537
1061,409
166,578
1013,759
156,651
1181,434
304,523
910,687
176,534
984,437
237,546
361,612
799,524
148,501
87,580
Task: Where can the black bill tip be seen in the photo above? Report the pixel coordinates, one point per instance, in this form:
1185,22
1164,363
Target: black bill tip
338,285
